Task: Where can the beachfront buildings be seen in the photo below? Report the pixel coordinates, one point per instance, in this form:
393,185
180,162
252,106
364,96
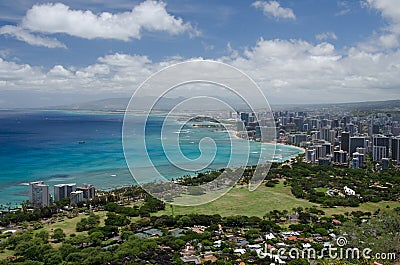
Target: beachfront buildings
76,197
333,137
88,191
39,194
62,191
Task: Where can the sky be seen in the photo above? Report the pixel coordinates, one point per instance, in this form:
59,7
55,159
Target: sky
309,51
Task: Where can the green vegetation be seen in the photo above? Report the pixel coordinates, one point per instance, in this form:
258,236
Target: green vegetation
240,201
127,226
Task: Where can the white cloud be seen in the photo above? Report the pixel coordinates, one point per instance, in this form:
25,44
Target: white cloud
326,36
273,8
389,9
299,71
286,70
388,37
26,36
149,15
389,40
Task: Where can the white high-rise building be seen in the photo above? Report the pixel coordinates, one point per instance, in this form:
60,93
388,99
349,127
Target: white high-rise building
378,152
76,197
39,194
62,191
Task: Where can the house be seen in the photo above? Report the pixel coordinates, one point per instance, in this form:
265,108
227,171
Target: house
336,222
191,259
254,246
188,250
269,236
217,244
242,243
210,257
349,191
240,251
290,233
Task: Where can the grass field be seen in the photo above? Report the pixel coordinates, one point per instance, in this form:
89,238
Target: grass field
69,224
240,201
6,253
365,207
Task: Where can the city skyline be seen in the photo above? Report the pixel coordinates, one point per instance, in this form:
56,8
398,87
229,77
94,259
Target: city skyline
311,52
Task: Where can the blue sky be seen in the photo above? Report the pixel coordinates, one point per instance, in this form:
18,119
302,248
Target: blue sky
297,51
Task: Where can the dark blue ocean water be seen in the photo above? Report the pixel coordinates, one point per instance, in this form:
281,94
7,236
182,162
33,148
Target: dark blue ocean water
47,145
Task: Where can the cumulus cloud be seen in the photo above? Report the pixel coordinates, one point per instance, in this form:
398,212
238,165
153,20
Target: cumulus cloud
149,15
53,18
389,35
274,9
26,36
300,71
294,71
326,36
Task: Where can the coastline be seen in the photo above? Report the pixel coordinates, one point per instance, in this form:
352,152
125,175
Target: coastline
44,155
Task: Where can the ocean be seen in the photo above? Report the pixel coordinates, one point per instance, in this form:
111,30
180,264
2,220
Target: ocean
86,147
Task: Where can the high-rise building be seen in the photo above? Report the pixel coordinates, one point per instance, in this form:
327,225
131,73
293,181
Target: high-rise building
62,191
340,157
378,152
396,149
324,161
89,191
345,142
385,163
320,151
328,148
297,138
244,116
310,155
39,194
76,197
357,141
361,159
240,127
355,163
332,136
382,141
375,128
324,133
361,150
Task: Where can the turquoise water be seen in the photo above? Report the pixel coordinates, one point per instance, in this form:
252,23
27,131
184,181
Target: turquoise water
48,146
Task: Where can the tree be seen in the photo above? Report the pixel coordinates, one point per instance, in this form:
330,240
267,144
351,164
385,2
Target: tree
96,238
58,235
184,221
52,257
44,235
116,220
